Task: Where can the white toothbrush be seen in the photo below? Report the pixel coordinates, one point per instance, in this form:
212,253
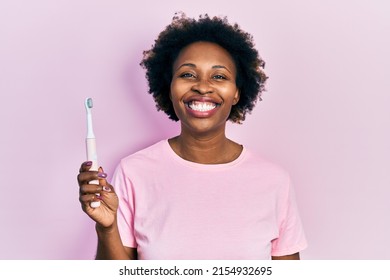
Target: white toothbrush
91,146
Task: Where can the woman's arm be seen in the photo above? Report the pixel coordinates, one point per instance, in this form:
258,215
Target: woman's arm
110,245
287,257
109,241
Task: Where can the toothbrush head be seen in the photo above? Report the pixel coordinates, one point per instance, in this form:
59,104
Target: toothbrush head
88,106
88,103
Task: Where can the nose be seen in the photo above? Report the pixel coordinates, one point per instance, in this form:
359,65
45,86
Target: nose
202,86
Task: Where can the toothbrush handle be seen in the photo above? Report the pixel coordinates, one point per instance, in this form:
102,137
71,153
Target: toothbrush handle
91,153
92,156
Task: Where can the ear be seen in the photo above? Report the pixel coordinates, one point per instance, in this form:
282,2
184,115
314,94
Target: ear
236,97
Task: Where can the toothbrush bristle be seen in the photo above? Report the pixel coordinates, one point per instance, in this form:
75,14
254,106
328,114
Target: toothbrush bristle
89,103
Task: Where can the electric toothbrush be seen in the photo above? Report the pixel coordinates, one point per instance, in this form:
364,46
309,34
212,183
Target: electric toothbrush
91,146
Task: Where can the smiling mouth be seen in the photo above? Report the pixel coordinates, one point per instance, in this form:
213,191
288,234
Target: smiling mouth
201,106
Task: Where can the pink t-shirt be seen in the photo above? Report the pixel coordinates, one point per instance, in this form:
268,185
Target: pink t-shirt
170,208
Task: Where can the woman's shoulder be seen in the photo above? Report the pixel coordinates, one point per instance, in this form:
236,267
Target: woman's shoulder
152,152
258,161
144,160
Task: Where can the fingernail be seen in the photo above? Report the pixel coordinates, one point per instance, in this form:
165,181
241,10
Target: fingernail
102,175
88,163
107,189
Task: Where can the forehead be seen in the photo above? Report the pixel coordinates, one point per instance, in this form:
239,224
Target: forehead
205,53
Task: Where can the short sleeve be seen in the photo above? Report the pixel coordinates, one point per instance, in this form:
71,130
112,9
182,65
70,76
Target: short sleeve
291,237
125,216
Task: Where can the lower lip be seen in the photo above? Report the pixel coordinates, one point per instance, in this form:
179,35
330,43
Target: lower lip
201,114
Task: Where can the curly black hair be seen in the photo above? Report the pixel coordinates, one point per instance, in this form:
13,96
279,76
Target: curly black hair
158,61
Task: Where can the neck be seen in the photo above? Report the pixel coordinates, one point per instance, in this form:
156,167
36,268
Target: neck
205,149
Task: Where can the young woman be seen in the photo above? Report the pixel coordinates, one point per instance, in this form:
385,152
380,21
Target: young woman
198,195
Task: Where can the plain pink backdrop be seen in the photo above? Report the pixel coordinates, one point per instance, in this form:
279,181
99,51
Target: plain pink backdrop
325,116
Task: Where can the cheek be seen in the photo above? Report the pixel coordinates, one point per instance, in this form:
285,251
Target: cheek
174,95
170,91
231,93
177,90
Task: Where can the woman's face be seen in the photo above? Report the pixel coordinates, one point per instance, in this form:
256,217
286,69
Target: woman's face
203,87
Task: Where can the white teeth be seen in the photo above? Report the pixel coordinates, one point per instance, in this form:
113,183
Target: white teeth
201,106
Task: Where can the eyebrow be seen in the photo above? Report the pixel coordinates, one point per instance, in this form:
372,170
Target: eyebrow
194,66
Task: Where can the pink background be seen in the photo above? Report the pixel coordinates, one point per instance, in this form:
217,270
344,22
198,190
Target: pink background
325,116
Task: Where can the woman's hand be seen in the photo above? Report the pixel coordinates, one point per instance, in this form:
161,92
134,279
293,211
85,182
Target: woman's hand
105,214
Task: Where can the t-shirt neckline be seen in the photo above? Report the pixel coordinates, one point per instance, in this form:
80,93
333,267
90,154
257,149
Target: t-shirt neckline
171,153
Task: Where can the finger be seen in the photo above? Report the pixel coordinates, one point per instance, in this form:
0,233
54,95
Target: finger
87,176
102,177
107,192
89,200
85,166
106,187
90,189
108,197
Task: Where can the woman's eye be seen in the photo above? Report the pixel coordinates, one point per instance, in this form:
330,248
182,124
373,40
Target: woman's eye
219,77
186,75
